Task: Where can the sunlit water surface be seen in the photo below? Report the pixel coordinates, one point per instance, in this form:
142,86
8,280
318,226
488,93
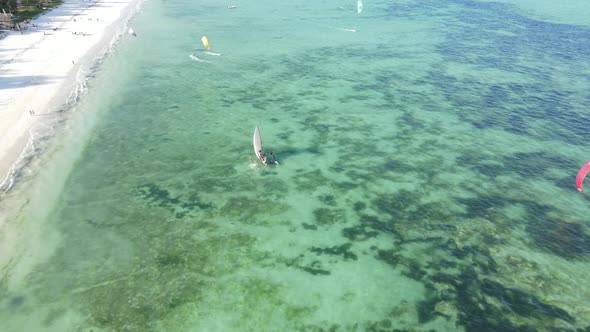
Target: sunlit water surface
427,156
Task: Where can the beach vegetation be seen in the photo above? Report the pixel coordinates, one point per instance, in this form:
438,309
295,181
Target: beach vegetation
23,10
8,6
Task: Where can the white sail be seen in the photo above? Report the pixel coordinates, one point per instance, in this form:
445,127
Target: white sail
257,143
359,6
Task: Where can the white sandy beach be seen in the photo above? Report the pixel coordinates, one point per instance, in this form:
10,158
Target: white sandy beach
40,69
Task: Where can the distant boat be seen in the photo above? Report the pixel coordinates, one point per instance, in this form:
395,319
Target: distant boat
257,142
359,6
353,29
132,32
205,42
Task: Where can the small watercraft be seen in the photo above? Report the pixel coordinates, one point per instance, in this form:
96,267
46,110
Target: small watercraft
257,142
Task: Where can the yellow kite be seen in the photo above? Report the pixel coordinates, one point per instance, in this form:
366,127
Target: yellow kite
206,42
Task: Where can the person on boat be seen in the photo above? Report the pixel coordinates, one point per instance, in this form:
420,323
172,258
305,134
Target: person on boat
262,156
274,158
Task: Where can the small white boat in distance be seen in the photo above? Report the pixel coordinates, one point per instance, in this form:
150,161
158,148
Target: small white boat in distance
359,6
132,32
353,29
257,142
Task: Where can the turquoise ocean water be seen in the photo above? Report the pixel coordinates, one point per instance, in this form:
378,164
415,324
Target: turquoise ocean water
426,177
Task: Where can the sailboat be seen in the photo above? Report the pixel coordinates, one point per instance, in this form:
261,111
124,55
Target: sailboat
257,142
359,6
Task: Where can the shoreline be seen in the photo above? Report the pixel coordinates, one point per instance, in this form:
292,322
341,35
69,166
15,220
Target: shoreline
35,164
45,69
